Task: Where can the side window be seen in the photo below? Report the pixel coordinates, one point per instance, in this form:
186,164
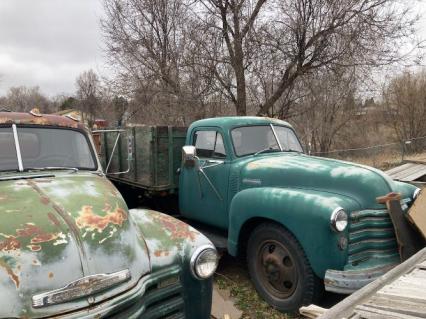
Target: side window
209,144
219,150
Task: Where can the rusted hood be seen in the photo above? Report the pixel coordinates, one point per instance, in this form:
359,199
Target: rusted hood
55,230
293,170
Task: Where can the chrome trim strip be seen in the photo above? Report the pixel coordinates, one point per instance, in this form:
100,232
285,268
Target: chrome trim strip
18,148
79,288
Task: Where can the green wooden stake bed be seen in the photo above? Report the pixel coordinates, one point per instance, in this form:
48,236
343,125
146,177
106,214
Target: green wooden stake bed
69,245
302,222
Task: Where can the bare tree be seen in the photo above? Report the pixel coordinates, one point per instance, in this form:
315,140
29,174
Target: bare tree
88,86
326,108
149,43
23,99
405,102
280,41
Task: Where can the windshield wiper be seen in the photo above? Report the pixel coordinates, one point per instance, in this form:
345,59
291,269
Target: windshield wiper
267,150
52,168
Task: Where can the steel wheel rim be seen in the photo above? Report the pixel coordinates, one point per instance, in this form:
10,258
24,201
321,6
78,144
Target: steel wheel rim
277,269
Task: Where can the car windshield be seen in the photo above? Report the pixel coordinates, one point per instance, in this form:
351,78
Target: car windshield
43,148
263,138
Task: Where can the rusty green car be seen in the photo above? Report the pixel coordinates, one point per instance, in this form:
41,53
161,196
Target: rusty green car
69,246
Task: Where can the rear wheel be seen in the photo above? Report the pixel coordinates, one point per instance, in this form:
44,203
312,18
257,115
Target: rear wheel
280,270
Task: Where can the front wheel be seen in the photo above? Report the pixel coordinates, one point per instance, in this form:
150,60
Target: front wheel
279,269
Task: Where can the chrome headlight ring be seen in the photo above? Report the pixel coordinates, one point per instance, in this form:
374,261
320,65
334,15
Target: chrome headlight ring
339,220
204,262
416,193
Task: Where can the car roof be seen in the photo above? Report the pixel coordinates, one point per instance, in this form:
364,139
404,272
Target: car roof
36,118
230,122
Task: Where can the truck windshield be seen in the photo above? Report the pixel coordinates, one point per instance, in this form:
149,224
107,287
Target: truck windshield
249,140
45,148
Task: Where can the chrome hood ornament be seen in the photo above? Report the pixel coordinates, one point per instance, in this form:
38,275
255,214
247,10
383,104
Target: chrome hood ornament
79,288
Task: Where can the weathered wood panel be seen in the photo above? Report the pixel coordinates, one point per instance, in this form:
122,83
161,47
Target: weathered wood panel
400,293
156,157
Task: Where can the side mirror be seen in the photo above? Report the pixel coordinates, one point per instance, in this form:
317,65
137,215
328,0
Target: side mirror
189,155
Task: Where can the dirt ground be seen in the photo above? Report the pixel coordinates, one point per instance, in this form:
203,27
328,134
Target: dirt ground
233,279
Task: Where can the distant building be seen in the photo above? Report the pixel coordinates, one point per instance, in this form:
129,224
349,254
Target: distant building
82,117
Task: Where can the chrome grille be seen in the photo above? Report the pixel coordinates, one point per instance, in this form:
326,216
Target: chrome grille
371,235
156,303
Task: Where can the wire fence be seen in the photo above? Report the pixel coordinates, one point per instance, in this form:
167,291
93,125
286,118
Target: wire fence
383,156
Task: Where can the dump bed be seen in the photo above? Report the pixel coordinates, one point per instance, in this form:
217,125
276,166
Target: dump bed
155,160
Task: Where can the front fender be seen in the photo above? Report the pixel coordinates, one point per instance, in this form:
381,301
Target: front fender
168,239
172,242
305,213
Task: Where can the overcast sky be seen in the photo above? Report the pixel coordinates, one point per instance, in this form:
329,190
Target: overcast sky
50,42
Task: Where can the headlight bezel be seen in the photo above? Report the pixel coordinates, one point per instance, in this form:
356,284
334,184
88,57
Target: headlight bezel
198,252
416,193
335,218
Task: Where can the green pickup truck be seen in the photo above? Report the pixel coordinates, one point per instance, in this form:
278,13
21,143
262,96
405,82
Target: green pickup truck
302,222
69,246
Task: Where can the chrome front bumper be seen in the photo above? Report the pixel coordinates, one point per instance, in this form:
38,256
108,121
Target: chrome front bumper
346,282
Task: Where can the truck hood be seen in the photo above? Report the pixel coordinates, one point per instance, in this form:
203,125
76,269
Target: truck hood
359,182
58,229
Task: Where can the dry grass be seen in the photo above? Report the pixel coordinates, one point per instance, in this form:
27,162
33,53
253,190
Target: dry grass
232,275
385,160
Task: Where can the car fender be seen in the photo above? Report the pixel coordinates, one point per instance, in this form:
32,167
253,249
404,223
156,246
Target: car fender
305,213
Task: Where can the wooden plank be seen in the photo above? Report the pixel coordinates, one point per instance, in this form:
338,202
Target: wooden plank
399,305
406,170
415,174
409,241
398,169
413,295
373,313
346,307
417,213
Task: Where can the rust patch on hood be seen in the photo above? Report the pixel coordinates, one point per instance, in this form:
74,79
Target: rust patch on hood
45,200
12,275
53,219
88,219
37,234
161,252
34,247
9,244
177,229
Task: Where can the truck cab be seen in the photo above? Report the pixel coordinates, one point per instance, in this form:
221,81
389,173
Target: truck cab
69,245
303,222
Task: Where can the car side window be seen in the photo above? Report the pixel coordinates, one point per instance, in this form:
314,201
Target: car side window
209,144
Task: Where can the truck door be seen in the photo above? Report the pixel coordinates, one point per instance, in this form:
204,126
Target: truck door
204,188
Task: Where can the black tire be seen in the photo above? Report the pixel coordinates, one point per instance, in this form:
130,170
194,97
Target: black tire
279,269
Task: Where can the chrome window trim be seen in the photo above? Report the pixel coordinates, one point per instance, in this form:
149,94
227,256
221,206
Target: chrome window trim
18,148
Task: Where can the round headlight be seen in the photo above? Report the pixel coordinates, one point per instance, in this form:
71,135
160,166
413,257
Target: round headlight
339,220
204,262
